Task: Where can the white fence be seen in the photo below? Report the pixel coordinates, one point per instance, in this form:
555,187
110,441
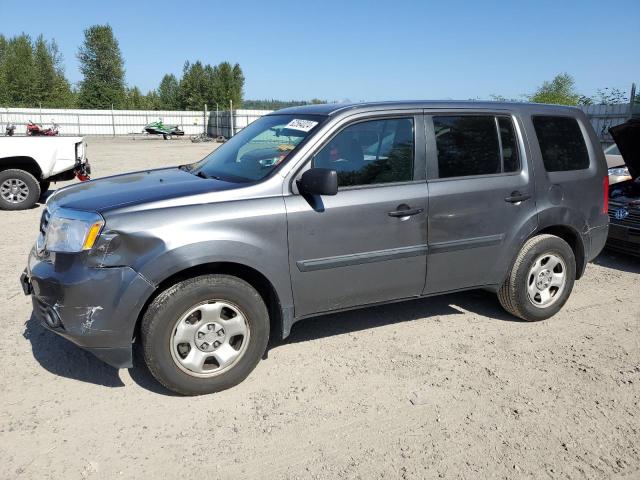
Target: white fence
128,122
603,117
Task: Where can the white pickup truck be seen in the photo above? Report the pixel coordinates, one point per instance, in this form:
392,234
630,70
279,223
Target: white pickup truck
28,165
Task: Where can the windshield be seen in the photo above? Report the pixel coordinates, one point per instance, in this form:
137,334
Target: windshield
257,149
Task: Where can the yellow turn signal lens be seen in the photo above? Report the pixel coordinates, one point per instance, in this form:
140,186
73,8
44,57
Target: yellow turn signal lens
94,231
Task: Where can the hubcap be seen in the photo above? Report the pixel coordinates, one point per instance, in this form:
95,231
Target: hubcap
546,280
14,190
209,338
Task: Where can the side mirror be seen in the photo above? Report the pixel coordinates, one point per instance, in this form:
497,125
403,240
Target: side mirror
319,181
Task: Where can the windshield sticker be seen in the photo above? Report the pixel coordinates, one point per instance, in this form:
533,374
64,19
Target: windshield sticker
302,125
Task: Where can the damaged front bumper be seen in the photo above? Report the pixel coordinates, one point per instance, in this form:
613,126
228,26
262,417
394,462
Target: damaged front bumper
95,308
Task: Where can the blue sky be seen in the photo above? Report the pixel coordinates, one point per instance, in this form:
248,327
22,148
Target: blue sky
360,50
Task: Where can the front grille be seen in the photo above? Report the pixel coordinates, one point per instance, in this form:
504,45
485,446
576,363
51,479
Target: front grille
632,220
622,246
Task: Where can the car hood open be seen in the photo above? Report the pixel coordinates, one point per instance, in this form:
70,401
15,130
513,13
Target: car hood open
135,188
627,137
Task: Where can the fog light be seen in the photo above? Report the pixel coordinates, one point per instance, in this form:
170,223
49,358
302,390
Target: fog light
52,318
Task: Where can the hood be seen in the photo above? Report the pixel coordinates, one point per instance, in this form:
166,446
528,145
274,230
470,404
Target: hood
135,188
627,137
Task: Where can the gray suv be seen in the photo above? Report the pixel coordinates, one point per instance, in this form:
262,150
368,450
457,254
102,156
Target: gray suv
319,209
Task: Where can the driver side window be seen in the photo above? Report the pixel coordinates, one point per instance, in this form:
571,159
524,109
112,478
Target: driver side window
371,152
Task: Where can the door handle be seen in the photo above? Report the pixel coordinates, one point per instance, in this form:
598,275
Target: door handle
406,212
516,197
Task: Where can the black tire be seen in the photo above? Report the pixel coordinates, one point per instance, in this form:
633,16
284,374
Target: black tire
513,295
27,179
160,319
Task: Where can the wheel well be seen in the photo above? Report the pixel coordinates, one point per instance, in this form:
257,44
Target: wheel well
572,237
27,164
253,277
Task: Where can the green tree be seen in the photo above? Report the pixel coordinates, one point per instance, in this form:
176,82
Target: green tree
135,100
20,72
227,84
152,100
45,72
3,76
49,87
63,96
195,86
560,90
169,93
102,68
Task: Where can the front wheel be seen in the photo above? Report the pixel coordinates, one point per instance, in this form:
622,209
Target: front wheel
19,190
540,280
205,334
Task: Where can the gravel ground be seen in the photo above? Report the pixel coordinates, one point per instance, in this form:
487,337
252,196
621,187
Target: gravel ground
449,387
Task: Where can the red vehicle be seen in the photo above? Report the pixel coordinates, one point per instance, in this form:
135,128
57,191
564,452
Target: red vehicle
36,130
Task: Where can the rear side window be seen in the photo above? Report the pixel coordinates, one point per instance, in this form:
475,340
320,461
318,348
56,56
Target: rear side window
470,145
561,143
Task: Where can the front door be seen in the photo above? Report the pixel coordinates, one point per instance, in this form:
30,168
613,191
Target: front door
481,200
368,243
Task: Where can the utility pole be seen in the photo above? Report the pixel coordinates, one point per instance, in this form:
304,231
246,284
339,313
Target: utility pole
205,123
113,122
632,99
231,118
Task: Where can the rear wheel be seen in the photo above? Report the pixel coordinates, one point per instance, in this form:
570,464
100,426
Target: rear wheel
540,280
19,190
205,334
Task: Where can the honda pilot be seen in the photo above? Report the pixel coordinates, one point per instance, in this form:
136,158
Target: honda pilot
319,209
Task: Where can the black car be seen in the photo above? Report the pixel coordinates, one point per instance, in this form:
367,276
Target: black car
624,197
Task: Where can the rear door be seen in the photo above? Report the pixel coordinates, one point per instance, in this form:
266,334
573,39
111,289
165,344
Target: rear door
480,197
368,243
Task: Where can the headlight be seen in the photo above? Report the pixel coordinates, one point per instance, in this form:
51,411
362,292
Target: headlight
72,230
80,149
619,171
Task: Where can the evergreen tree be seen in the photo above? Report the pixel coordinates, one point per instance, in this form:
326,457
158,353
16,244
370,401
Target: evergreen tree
169,93
102,67
152,100
135,100
62,96
46,75
20,72
3,76
227,84
194,86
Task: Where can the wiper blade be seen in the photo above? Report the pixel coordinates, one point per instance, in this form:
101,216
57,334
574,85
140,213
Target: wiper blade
201,174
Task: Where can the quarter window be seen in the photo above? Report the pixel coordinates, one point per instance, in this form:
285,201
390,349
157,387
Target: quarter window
561,143
470,145
509,143
372,152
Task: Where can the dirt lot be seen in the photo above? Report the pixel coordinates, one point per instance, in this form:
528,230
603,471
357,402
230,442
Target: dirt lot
449,387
